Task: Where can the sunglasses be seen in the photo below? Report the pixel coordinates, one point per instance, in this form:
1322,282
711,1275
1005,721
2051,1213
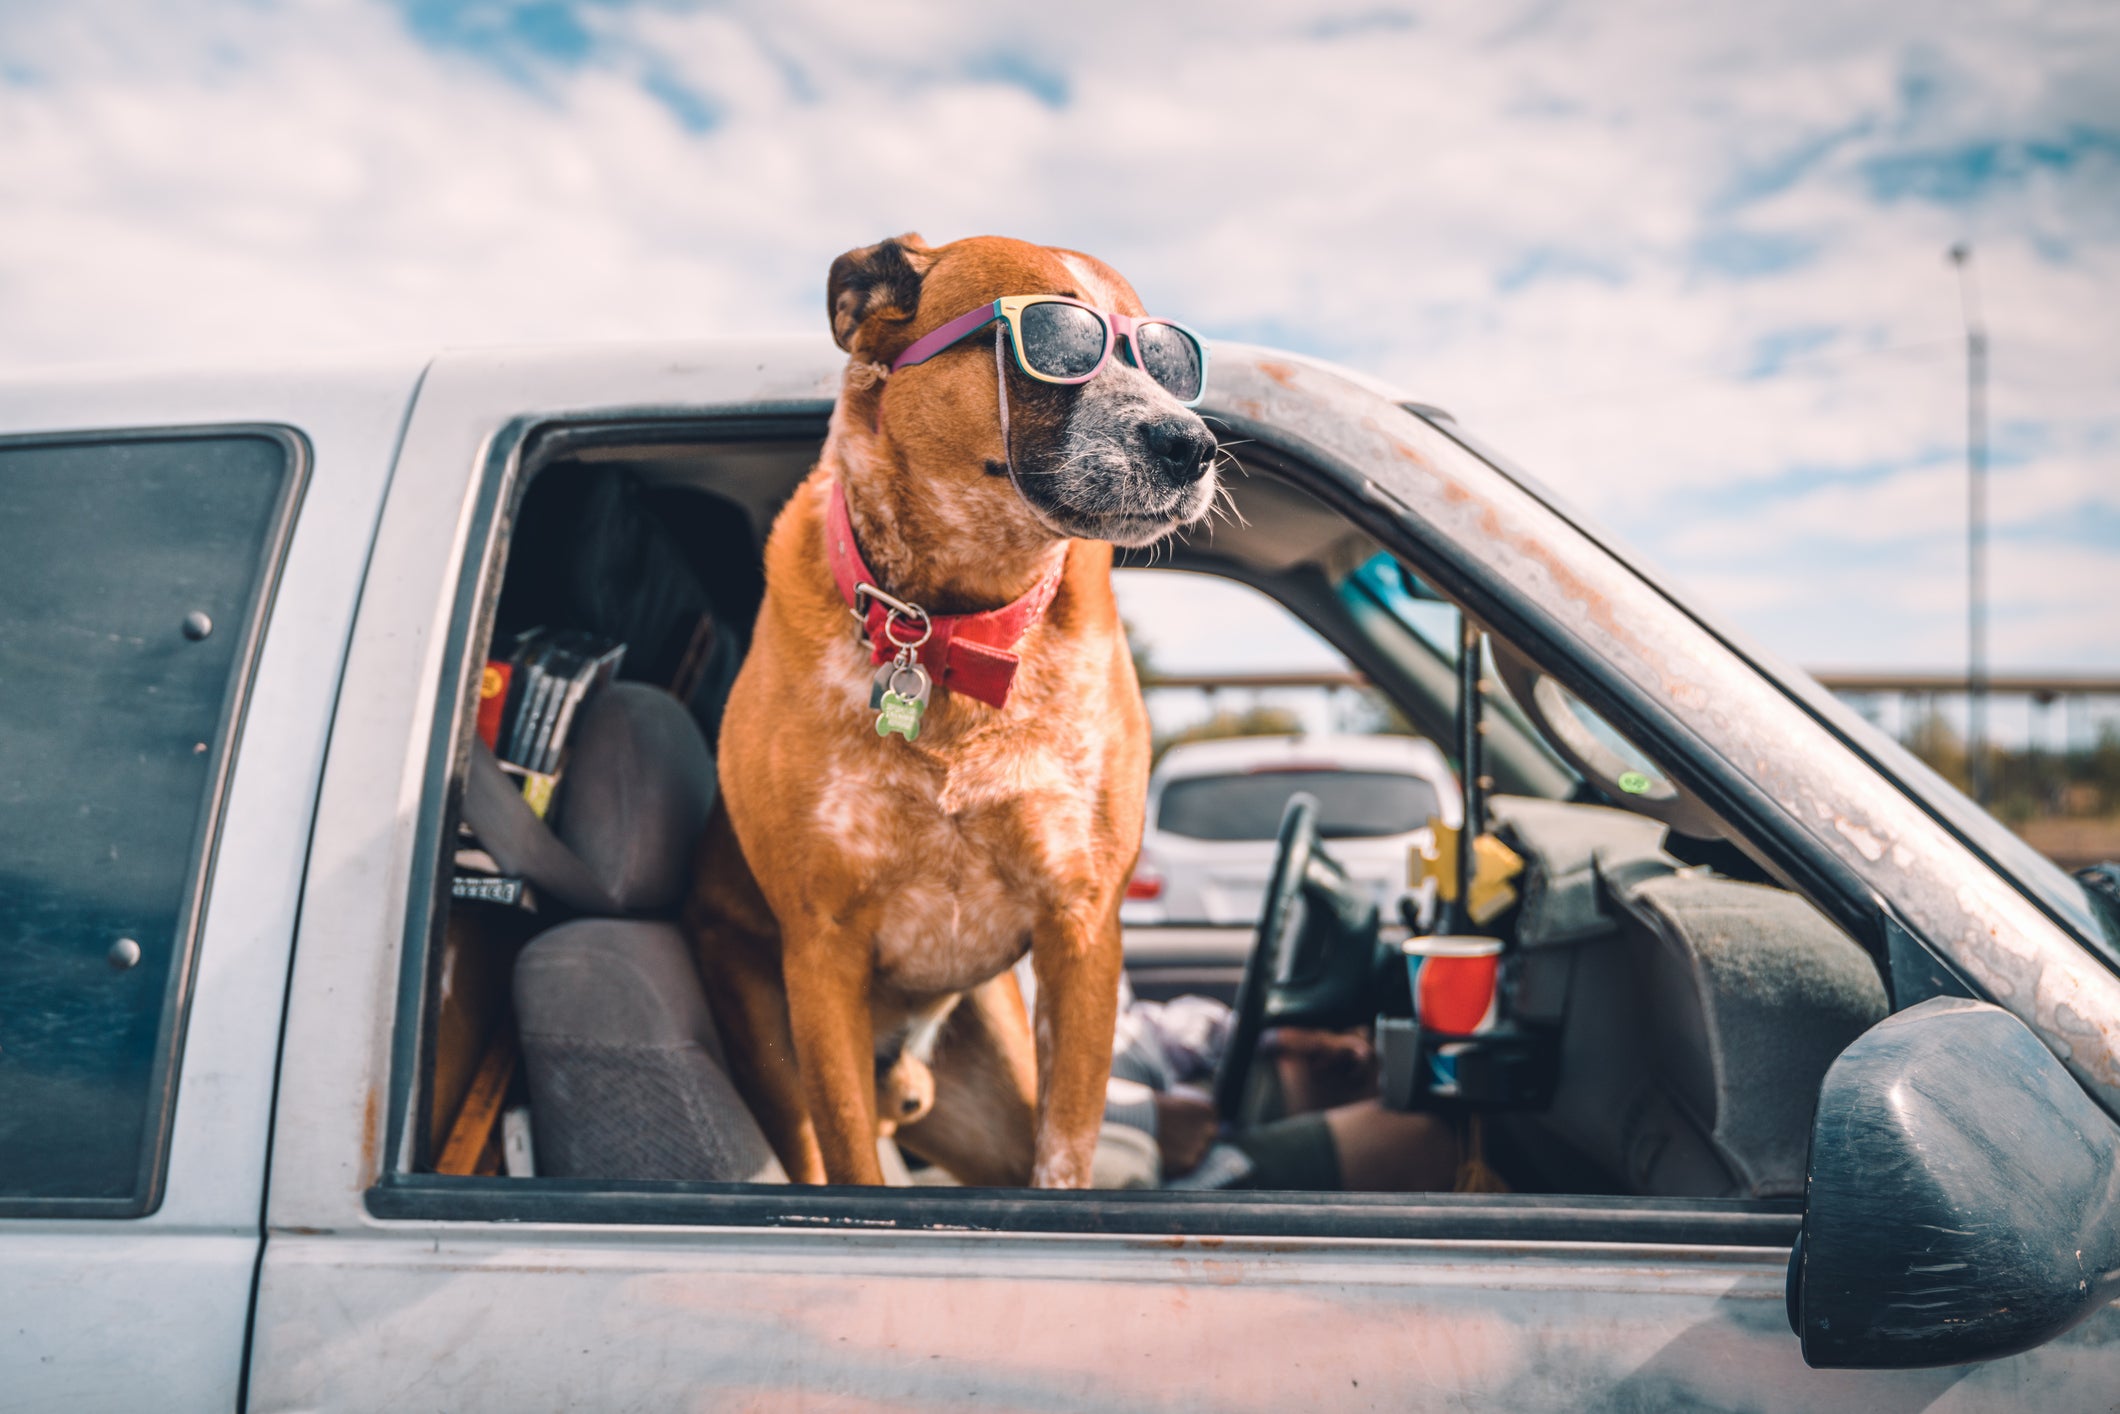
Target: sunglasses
1062,340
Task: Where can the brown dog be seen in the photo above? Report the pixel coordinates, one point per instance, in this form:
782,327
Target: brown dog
861,897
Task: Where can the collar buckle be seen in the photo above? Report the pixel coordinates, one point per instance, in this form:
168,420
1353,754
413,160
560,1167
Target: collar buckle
898,609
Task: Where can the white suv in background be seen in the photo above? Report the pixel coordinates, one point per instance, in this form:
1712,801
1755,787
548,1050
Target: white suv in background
1214,810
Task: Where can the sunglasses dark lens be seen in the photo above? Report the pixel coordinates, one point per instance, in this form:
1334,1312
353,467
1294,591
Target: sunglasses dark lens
1061,340
1171,357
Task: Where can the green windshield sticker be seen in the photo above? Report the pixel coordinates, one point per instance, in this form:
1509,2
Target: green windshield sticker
1634,782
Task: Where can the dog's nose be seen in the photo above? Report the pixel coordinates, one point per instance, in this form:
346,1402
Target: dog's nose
1180,447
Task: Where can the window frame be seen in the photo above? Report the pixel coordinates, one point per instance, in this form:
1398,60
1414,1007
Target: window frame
156,1130
511,460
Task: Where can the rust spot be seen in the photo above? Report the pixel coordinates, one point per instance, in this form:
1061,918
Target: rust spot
1281,373
1400,448
1179,1241
1406,453
1866,844
367,1170
1686,694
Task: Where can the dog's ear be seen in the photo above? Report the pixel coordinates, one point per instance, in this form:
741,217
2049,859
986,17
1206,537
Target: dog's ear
873,293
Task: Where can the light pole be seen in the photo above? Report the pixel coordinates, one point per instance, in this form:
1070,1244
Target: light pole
1976,675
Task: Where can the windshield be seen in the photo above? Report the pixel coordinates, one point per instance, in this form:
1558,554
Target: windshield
1351,804
2047,883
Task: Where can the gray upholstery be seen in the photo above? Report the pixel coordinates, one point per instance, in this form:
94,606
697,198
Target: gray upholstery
626,1072
1611,1126
633,799
1700,1013
1563,901
1748,995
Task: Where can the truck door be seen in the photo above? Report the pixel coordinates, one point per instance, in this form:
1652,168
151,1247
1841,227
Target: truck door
388,1281
178,564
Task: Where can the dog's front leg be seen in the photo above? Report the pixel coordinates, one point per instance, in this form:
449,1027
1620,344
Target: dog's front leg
827,973
1076,956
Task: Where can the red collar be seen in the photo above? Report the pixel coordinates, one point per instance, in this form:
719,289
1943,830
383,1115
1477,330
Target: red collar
968,653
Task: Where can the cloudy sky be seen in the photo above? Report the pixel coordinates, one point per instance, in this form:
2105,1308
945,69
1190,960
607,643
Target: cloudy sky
1685,261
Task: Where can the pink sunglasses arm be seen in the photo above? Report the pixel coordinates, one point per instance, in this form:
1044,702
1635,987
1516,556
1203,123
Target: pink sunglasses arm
928,345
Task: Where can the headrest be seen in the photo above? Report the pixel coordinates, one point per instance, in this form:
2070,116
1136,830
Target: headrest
637,786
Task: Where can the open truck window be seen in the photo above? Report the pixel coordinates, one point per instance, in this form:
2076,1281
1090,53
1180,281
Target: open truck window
563,1036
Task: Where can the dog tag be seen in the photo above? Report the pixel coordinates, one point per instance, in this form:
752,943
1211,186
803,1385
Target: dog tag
903,676
901,715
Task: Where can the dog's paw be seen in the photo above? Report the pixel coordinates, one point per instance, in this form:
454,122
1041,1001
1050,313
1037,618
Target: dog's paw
904,1094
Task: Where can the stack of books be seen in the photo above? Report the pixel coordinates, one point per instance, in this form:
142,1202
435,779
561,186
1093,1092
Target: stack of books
528,703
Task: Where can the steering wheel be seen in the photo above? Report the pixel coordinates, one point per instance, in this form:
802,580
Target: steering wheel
1280,918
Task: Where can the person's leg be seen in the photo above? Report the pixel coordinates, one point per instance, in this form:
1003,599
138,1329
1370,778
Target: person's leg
1387,1151
1292,1153
1357,1148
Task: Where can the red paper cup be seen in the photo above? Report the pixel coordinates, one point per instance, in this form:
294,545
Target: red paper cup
1454,983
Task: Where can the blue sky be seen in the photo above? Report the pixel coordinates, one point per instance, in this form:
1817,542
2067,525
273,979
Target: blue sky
1684,262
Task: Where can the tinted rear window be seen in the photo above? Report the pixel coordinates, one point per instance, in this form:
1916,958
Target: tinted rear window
1351,804
129,573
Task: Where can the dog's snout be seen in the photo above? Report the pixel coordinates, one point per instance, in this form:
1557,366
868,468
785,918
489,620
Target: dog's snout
1180,448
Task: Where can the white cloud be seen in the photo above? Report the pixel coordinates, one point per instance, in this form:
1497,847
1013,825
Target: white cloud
1580,226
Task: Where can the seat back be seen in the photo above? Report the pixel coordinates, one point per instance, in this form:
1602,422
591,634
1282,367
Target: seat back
1747,995
626,1074
620,837
1698,1014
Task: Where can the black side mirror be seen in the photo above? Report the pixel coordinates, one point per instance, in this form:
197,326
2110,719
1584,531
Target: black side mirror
1964,1196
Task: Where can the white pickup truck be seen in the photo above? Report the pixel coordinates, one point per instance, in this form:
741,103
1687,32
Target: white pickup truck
1794,993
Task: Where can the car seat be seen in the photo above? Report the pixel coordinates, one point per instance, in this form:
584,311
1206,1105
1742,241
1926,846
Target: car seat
1698,1014
626,1074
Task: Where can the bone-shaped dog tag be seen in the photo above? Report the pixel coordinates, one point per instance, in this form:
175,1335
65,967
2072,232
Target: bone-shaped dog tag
901,715
905,697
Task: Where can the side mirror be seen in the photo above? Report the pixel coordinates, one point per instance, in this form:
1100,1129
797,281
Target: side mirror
1964,1196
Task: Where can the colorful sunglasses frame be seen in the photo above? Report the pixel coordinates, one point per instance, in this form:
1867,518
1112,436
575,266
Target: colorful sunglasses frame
1009,309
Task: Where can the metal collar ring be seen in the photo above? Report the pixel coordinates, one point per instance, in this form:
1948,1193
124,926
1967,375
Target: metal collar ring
898,608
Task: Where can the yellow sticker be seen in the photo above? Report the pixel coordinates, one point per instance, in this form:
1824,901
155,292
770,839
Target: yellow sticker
537,790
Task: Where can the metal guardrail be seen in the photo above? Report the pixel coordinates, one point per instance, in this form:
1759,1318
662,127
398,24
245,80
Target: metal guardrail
1256,682
1832,679
2036,685
2043,754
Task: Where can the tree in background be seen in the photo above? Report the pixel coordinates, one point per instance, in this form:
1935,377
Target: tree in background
1255,720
